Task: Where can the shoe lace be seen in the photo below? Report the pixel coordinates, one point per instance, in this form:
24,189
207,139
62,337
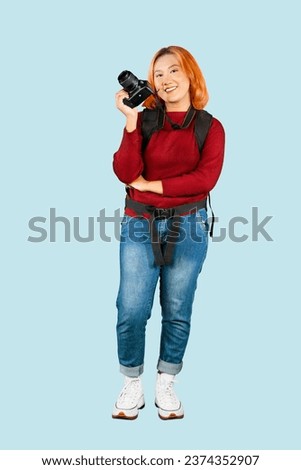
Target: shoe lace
130,393
168,396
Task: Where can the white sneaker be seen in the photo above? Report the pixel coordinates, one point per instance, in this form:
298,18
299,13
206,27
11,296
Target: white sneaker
130,399
167,402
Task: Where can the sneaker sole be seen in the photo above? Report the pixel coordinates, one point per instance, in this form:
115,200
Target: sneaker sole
127,414
165,415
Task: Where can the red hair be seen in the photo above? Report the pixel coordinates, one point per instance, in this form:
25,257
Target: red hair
198,89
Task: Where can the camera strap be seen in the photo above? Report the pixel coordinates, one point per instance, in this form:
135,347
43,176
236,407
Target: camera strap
187,119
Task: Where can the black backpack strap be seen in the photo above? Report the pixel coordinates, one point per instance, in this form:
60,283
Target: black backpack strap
203,122
202,125
152,121
212,217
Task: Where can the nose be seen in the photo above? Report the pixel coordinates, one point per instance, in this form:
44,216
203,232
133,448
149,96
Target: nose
166,80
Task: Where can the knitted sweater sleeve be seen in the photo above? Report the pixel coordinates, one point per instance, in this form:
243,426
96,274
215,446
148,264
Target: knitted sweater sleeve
128,162
204,177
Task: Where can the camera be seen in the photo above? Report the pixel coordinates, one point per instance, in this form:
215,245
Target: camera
138,90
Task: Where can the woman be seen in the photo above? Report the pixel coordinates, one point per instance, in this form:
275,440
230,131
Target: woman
167,173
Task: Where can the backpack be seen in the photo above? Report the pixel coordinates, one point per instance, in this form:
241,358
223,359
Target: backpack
153,121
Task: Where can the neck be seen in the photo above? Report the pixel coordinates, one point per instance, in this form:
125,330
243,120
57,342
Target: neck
186,122
180,107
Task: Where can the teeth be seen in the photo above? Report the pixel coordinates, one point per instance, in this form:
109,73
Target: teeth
170,89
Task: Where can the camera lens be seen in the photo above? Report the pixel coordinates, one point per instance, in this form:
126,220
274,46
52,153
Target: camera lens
128,80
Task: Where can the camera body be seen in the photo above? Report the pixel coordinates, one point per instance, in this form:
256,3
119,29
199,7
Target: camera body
138,90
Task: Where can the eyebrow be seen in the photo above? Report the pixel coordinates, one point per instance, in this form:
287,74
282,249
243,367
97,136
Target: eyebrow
174,65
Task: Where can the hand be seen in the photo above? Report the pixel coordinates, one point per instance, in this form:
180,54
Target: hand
140,184
126,110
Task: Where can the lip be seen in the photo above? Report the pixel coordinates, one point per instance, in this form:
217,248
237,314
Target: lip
169,89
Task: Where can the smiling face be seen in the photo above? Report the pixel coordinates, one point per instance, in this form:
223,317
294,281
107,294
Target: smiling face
171,83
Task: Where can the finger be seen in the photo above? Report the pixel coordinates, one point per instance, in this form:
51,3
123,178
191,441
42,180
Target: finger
119,100
122,93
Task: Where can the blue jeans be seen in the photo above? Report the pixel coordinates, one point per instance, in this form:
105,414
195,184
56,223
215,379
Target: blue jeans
178,281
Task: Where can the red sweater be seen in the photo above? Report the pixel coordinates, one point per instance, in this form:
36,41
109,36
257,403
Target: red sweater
173,157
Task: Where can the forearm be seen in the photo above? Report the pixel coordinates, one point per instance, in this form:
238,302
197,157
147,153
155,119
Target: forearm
190,184
131,123
128,162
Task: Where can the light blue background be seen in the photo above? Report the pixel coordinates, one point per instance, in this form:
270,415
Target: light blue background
59,370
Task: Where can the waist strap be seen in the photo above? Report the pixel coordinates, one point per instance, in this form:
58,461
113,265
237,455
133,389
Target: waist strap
156,214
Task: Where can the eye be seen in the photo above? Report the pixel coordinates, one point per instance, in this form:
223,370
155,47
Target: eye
158,75
174,70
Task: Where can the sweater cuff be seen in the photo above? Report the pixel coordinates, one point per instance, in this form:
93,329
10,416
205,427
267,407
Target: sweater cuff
169,188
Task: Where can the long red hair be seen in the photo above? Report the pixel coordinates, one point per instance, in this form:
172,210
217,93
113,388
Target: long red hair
198,89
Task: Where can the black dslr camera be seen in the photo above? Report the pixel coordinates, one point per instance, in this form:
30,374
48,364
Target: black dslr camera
138,90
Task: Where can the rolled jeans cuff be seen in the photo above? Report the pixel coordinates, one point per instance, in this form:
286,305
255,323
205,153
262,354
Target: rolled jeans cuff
169,368
131,371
